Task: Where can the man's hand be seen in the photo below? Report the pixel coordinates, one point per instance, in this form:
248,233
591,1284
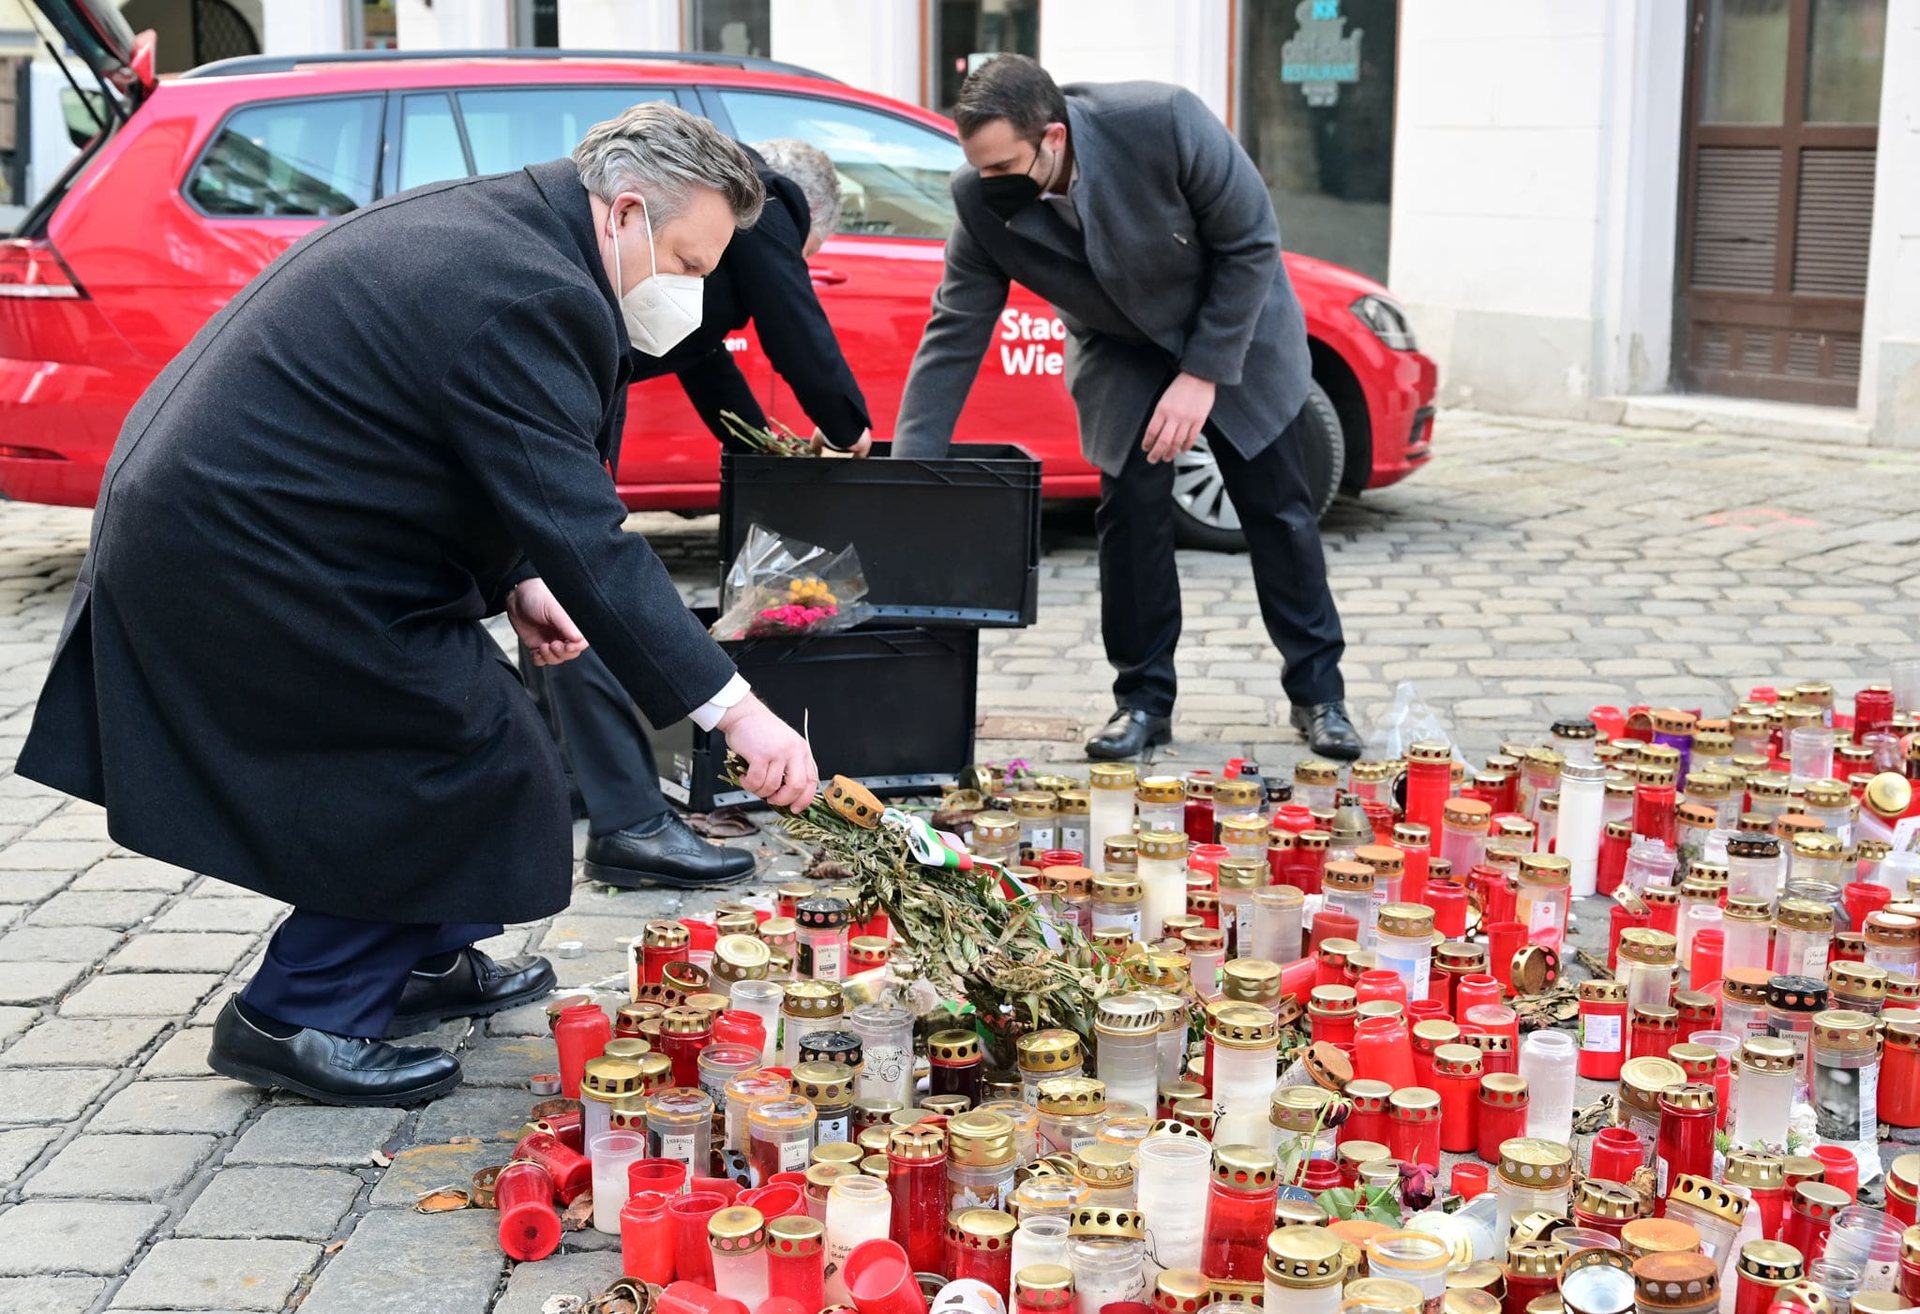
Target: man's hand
780,765
858,450
1177,420
543,624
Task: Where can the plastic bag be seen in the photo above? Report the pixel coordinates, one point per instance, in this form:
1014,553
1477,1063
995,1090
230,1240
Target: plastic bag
783,586
1410,722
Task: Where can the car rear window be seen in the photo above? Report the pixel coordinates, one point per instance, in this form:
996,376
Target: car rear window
893,173
292,157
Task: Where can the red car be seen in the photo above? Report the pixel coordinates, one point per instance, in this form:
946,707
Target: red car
197,182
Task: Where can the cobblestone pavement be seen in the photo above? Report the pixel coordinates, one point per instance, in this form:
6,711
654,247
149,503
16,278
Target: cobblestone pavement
1535,567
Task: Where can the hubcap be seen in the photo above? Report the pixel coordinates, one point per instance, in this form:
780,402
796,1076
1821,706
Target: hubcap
1200,491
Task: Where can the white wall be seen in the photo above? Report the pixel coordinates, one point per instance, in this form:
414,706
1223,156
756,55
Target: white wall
1890,351
1531,231
620,24
874,44
302,27
454,24
1118,40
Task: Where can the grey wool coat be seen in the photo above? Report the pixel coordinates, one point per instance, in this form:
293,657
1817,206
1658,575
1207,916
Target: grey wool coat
1177,268
273,669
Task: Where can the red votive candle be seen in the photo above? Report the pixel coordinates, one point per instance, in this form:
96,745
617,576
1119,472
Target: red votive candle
571,1174
529,1228
646,1242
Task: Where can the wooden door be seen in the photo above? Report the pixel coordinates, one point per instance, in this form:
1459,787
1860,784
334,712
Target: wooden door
1777,196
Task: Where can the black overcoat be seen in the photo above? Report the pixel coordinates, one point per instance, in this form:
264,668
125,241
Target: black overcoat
274,670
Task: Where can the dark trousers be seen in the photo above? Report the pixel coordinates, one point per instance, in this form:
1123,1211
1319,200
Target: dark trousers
344,976
1140,581
601,738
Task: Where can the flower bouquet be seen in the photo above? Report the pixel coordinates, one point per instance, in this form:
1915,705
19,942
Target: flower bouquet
780,586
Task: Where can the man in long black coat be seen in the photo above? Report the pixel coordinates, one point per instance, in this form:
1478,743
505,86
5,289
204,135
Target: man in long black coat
634,837
274,669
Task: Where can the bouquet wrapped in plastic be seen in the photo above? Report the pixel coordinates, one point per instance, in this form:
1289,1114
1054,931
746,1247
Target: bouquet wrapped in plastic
782,586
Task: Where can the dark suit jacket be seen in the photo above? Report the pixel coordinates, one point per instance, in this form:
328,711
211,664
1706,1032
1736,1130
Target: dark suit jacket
273,669
1177,267
763,277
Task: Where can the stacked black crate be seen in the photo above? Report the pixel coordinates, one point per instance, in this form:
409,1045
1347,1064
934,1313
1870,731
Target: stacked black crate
949,547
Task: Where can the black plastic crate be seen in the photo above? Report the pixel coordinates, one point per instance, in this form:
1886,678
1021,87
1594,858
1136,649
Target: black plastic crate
952,541
892,706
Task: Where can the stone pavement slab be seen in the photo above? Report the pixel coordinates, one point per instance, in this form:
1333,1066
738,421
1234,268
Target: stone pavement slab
74,1236
49,1295
51,1095
530,1285
121,1167
186,951
213,1105
301,1204
140,994
20,1146
60,1042
312,1134
201,1275
39,983
400,1262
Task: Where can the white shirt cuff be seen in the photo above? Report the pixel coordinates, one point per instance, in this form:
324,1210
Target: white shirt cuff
708,714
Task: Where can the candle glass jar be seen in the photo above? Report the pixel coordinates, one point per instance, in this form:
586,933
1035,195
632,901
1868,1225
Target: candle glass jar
680,1126
1127,1037
1244,1071
1163,880
742,1093
829,1088
809,1006
979,1247
780,1137
1239,1215
1532,1176
1239,878
1746,927
1753,866
604,1082
994,838
1038,813
1602,1033
1548,1060
1072,819
1791,1003
1277,916
1110,787
1040,1239
1042,1289
1543,897
719,1064
1743,1006
1893,942
1117,901
1304,1271
917,1183
1171,1186
1500,1113
886,1042
796,1252
859,1209
1106,1272
1463,834
1648,965
981,1159
1041,1055
1348,888
737,1239
1161,802
1071,1111
823,938
1684,1146
1766,1089
1845,1058
1404,945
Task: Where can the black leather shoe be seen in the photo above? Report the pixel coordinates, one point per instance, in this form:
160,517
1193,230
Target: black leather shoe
475,986
328,1068
664,854
1328,730
1129,733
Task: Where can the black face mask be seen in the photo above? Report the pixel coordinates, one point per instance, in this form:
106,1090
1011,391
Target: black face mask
1009,193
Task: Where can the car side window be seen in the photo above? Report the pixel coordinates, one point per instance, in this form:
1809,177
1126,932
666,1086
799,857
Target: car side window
893,173
430,149
514,127
292,158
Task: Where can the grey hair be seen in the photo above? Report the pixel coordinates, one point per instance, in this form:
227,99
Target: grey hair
664,153
812,170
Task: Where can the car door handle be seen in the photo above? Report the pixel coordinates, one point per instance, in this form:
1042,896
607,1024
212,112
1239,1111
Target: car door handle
831,277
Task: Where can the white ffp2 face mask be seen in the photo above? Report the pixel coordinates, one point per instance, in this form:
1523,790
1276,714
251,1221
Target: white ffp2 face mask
662,309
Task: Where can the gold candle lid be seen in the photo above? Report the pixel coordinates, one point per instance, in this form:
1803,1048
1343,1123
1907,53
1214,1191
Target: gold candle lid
1530,1161
1104,1165
1653,1236
981,1229
796,1235
737,1230
1047,1285
608,1079
1706,1194
1052,1050
1536,1259
1407,920
1250,980
1384,1294
1675,1281
1106,1221
1299,1256
1161,789
1110,775
1610,1200
1071,1097
981,1138
1244,1168
1756,1172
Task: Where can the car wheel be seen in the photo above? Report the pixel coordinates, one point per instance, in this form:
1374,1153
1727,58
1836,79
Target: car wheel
1203,514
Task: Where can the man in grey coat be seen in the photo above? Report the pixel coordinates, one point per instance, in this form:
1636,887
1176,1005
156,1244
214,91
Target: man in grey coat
1132,209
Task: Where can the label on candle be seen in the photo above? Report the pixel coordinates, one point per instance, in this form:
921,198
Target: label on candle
884,1070
1541,916
838,1127
1073,837
1814,961
820,960
1127,921
1416,972
1079,1143
1600,1033
679,1147
794,1155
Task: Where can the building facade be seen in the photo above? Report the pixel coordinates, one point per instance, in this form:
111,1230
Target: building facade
1588,206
